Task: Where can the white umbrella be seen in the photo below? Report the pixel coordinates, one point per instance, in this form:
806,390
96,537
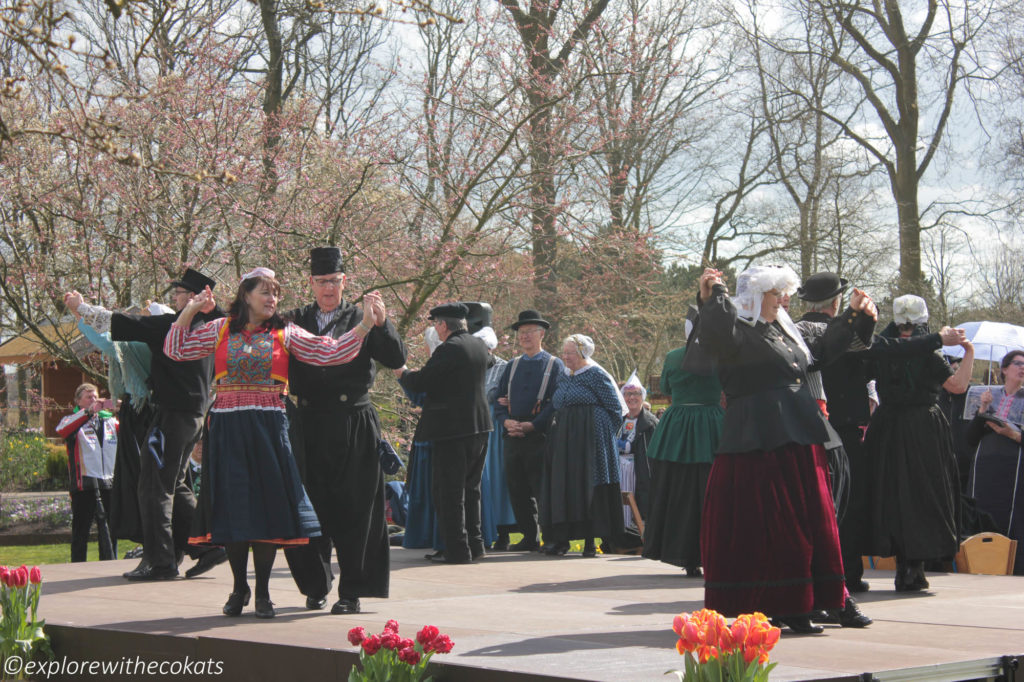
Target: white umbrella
992,340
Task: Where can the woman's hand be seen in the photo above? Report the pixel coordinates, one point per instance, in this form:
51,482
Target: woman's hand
986,400
72,300
1006,430
203,301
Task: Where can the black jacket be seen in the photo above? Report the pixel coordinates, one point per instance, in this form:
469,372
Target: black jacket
323,386
455,404
176,385
764,375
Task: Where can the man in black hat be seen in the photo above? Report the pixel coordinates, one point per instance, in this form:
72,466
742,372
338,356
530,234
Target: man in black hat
334,432
181,397
523,409
456,419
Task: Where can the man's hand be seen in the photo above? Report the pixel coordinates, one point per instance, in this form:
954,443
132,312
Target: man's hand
986,400
710,278
861,302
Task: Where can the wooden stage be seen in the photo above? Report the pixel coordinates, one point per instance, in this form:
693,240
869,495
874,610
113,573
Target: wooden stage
519,617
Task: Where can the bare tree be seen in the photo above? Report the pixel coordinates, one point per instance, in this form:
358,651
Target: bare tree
909,62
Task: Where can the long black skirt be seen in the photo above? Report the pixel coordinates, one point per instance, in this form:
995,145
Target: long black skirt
914,483
125,522
672,533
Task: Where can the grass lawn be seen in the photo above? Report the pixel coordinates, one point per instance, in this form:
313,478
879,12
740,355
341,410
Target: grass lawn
37,555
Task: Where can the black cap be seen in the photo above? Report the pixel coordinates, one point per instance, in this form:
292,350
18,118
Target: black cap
479,315
325,260
194,281
530,317
454,311
821,287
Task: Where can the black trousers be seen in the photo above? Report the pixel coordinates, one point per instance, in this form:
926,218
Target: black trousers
166,502
524,469
336,451
84,509
854,524
457,465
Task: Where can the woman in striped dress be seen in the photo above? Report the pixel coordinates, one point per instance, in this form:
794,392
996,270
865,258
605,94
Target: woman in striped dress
253,495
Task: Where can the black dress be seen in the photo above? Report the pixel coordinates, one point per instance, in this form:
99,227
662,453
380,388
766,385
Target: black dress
913,471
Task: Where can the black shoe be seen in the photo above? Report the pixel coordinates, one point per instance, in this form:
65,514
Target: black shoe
316,603
434,556
557,549
910,579
589,551
858,586
206,561
830,617
346,605
694,572
440,558
800,625
501,545
146,572
851,617
236,600
478,555
264,608
524,546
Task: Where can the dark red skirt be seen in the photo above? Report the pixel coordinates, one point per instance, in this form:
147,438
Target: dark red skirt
768,535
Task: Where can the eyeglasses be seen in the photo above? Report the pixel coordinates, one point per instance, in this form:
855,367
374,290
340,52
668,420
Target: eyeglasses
180,292
632,394
332,282
1017,363
528,332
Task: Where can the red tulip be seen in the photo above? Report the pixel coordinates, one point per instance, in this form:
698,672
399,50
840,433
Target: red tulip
409,655
442,644
35,576
427,634
21,577
371,644
5,575
391,626
357,635
390,640
406,643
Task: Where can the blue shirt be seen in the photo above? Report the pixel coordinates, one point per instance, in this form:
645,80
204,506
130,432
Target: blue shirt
525,386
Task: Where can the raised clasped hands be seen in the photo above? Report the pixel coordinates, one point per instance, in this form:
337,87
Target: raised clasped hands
861,302
708,279
201,302
952,336
72,300
373,308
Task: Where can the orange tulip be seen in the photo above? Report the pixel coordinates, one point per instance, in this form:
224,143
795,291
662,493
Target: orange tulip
678,622
706,652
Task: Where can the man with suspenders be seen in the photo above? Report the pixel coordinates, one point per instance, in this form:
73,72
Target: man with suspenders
523,409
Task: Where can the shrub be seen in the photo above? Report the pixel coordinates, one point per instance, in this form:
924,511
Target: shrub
23,461
57,466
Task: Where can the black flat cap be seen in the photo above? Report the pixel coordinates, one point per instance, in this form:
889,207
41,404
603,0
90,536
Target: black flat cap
530,317
822,286
453,311
325,260
194,281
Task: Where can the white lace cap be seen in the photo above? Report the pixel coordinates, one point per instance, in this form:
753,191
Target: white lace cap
755,281
634,382
909,309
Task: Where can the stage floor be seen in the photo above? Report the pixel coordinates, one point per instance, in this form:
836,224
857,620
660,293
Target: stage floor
607,618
